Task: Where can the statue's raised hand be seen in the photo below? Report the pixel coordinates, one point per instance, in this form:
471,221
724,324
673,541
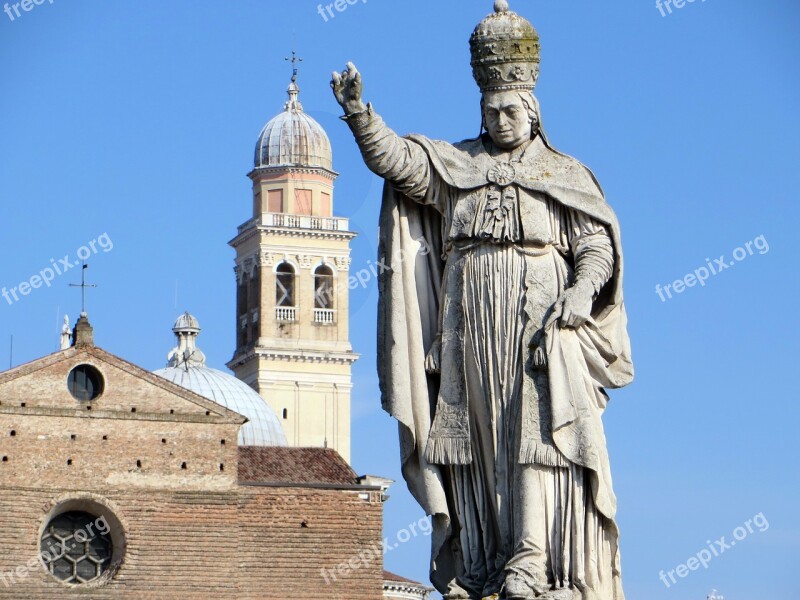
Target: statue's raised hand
347,88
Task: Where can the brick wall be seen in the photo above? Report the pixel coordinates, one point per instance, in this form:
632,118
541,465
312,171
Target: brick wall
289,536
179,545
257,543
115,452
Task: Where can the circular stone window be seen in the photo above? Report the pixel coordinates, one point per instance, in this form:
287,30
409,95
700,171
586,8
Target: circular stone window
85,383
76,547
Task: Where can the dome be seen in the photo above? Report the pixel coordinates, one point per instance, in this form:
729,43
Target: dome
293,139
186,322
263,428
187,368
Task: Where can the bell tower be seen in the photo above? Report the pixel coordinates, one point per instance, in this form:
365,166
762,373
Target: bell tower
292,270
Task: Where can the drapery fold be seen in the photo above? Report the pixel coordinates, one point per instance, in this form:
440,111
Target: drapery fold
580,362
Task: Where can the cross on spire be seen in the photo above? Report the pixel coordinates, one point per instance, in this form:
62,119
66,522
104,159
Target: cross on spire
294,60
83,285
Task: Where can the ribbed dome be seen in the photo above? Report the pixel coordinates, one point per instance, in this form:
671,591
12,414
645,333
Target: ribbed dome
293,139
186,322
187,368
263,428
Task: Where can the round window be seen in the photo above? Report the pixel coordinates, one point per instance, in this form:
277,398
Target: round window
85,383
76,547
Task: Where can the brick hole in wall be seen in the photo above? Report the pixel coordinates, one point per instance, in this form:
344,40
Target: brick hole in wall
183,466
5,459
13,433
69,462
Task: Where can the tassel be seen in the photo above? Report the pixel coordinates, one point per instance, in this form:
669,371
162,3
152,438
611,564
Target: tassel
534,453
448,451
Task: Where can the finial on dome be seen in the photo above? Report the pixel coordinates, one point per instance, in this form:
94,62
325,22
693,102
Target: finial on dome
186,323
501,6
294,60
186,354
293,105
294,90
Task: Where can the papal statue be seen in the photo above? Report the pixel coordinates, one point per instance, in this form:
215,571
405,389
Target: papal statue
497,346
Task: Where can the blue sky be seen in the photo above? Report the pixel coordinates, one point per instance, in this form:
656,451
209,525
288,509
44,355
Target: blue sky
138,120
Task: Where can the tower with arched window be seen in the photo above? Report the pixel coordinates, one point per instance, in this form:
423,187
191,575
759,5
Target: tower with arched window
292,271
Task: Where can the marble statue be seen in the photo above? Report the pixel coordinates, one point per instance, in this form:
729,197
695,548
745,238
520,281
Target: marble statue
495,349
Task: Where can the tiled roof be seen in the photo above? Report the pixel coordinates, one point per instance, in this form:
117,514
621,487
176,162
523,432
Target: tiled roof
294,466
389,576
394,581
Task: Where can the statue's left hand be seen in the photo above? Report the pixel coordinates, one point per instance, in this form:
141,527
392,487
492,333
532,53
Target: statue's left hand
574,307
347,88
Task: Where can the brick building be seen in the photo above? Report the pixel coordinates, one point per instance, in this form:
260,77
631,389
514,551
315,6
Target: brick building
117,483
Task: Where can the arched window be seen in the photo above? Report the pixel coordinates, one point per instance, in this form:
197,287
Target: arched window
323,288
254,291
284,286
241,295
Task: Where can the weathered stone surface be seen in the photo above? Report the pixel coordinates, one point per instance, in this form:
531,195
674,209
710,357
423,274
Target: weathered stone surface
512,324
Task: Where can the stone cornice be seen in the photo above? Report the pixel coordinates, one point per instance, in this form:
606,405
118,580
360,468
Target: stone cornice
328,174
45,411
292,232
301,356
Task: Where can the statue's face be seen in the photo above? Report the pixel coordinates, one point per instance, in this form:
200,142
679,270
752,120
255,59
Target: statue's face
507,119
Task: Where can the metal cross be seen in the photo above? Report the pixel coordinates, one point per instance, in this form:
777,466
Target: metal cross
294,60
83,285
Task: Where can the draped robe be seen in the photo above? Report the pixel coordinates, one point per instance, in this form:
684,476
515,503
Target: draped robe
510,460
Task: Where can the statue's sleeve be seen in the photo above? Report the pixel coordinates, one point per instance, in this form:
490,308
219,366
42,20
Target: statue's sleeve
590,244
402,162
